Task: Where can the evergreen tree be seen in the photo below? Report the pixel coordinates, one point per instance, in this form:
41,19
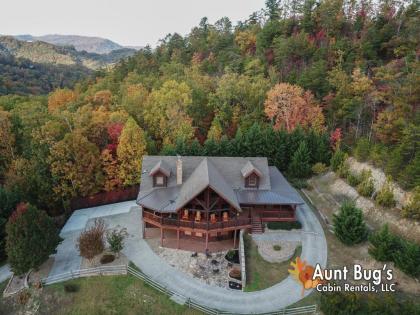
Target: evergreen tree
383,244
300,166
195,148
211,148
349,225
31,238
225,146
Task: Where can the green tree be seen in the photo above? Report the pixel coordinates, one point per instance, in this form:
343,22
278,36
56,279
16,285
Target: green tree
383,244
349,225
130,151
300,165
31,238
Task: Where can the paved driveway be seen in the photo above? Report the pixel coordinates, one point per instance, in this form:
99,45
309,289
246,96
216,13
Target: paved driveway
67,257
283,294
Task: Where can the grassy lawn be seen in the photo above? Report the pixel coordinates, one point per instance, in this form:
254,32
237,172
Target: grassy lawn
260,273
102,295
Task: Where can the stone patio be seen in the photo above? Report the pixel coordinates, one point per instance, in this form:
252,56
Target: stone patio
268,253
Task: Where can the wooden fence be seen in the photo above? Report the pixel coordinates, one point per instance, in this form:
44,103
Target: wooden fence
124,269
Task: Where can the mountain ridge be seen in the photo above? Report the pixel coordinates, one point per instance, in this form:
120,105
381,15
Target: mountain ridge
90,44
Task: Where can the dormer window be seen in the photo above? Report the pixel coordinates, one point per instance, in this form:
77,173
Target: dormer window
160,173
252,180
159,180
251,175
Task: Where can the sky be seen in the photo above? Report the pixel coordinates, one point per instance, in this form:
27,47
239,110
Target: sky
127,22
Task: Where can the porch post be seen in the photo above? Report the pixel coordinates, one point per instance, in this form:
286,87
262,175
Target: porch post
234,239
177,235
161,237
207,240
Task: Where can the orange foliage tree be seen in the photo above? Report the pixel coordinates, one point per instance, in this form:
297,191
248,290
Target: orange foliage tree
289,105
60,98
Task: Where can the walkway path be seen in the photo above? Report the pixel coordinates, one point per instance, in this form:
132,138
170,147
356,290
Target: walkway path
281,295
5,273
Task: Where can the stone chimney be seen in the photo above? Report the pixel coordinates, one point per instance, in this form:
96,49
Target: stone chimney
179,170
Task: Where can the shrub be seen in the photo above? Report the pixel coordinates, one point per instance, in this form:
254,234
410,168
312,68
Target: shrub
31,238
344,170
386,246
319,168
345,303
337,159
362,149
106,259
349,225
71,288
23,297
115,239
412,209
233,256
277,248
383,244
353,179
385,196
284,225
91,241
366,186
377,155
408,258
298,183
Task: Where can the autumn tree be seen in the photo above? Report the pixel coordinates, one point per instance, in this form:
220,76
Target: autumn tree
60,98
166,112
130,151
7,141
75,166
289,106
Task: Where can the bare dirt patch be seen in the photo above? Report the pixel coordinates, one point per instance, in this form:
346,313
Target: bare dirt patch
327,201
328,192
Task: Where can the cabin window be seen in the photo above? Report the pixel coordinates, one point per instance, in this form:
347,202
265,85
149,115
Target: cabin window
159,180
252,181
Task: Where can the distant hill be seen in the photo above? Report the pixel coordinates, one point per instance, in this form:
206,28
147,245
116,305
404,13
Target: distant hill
22,76
89,44
46,53
36,67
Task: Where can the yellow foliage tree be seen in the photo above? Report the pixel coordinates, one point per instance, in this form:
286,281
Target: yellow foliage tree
60,98
130,151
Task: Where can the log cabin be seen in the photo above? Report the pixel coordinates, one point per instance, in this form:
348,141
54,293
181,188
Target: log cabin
212,198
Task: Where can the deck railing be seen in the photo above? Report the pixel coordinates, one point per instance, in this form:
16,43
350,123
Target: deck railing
202,225
189,302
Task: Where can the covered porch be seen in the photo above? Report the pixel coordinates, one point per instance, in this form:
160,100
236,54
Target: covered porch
192,244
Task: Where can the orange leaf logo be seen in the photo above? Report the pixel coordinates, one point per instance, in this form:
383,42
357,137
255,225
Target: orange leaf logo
303,273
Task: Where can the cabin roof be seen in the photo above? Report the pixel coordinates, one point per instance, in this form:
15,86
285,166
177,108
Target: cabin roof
225,175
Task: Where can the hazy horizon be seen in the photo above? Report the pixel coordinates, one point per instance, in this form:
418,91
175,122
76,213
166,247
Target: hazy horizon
125,22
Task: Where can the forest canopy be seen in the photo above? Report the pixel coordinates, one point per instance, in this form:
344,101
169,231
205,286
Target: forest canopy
281,84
